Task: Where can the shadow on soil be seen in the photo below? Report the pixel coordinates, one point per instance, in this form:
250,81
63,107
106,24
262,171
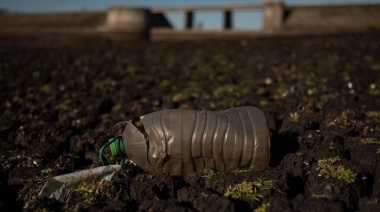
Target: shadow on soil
281,145
9,201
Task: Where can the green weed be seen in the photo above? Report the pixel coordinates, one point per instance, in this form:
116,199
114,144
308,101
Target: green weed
321,196
327,169
264,102
46,88
263,207
34,184
375,67
326,98
294,117
101,84
369,140
250,190
64,105
86,188
373,114
207,173
374,92
240,171
46,171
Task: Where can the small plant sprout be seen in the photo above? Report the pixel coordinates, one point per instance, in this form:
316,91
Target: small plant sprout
373,89
327,169
244,189
326,98
46,171
207,173
240,171
264,102
369,141
373,114
85,188
294,117
250,190
33,185
375,67
263,207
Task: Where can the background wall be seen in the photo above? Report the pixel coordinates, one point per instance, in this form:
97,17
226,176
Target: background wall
317,18
342,17
50,22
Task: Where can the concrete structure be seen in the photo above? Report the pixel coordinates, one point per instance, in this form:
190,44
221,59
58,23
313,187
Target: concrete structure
333,17
227,19
189,17
136,22
273,15
50,23
189,13
279,19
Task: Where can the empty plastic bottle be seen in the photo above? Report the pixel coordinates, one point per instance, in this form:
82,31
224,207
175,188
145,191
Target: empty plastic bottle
183,141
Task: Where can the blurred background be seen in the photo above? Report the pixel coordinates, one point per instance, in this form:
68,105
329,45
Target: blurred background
209,20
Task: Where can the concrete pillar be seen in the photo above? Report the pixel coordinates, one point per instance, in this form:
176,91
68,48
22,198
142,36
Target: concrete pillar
227,19
189,19
127,22
273,15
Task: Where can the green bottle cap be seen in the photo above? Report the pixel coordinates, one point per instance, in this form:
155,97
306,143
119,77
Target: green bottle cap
117,147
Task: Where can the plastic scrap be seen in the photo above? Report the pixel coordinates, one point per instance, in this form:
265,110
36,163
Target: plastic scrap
60,187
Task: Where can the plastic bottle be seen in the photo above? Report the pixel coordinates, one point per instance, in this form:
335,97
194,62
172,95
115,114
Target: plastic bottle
183,141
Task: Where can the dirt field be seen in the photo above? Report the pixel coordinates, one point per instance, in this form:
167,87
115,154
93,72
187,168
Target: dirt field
61,97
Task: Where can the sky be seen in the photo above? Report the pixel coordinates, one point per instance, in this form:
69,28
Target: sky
245,20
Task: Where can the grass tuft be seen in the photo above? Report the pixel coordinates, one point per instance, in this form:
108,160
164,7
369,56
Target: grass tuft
294,117
86,188
263,207
369,140
252,191
327,169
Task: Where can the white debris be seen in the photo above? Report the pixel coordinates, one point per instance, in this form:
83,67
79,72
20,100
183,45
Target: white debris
350,85
268,81
60,187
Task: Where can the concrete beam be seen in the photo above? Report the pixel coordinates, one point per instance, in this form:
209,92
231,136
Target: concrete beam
128,18
127,23
208,8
